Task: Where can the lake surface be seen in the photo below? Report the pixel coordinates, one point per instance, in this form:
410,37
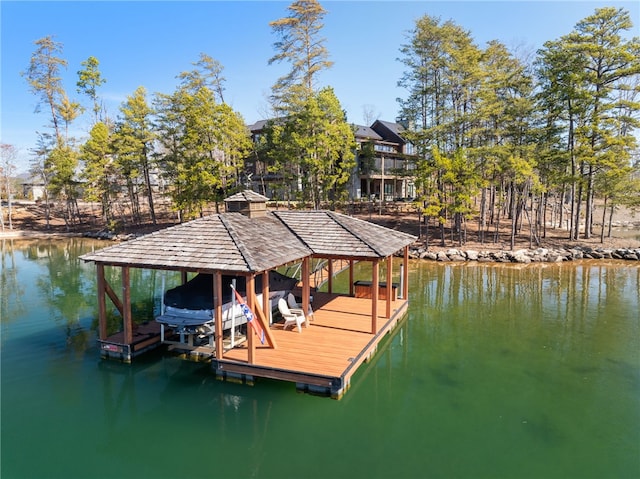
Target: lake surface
497,372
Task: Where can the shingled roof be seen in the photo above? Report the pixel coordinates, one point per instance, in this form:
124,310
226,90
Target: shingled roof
248,196
232,242
223,242
333,234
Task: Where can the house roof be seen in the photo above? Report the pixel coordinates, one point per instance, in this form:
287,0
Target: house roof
235,243
366,132
258,126
389,131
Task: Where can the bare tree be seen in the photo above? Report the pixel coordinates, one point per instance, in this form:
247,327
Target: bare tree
8,155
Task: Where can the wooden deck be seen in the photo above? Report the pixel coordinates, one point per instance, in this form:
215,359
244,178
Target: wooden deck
323,357
146,336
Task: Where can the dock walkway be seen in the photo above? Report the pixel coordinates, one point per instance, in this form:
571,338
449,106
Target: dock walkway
324,356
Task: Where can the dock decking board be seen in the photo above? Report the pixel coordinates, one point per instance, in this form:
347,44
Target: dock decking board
326,353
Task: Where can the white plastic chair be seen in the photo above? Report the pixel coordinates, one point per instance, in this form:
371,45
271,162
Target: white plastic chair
294,306
290,318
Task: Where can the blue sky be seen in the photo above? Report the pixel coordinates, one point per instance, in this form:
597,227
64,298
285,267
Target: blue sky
148,43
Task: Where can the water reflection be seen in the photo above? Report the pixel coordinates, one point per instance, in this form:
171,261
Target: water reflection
498,371
11,304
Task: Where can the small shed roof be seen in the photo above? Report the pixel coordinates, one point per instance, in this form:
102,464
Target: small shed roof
249,196
232,242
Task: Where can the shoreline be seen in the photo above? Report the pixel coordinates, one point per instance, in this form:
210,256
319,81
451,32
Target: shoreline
416,251
31,234
525,256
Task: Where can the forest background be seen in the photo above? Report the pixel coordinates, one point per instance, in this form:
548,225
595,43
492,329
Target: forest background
501,136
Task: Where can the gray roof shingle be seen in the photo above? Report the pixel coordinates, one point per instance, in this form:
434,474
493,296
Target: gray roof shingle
232,242
224,242
334,234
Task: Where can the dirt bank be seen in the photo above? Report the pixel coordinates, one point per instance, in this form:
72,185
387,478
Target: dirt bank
29,220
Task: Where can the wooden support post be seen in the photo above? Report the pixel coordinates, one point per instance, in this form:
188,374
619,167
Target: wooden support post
389,285
262,314
266,306
306,285
126,306
375,285
250,336
217,303
183,276
330,273
102,304
405,285
351,263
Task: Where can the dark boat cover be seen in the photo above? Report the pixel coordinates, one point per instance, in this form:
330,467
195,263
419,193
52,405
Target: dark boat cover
197,293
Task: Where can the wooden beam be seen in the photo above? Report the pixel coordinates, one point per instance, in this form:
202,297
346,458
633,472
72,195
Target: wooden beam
102,304
217,303
126,306
268,335
389,285
375,285
114,298
330,278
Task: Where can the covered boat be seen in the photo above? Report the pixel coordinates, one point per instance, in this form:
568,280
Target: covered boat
189,308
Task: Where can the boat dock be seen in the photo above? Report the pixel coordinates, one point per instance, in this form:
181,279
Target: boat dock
323,357
344,330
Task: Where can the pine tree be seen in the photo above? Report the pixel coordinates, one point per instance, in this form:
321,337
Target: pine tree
204,141
300,45
133,140
99,171
43,76
89,80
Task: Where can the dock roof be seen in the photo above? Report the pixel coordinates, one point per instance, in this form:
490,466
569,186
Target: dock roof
235,243
333,234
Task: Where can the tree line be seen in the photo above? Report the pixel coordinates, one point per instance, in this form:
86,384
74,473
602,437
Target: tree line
511,139
507,138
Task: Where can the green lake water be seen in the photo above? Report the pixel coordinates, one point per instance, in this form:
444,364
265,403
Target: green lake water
497,372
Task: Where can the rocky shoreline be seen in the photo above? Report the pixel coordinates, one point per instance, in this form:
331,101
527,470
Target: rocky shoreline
521,256
526,256
419,251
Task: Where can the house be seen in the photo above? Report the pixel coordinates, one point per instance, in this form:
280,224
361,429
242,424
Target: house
389,175
383,170
33,188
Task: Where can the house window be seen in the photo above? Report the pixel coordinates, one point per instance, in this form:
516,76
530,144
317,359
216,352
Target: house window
384,148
